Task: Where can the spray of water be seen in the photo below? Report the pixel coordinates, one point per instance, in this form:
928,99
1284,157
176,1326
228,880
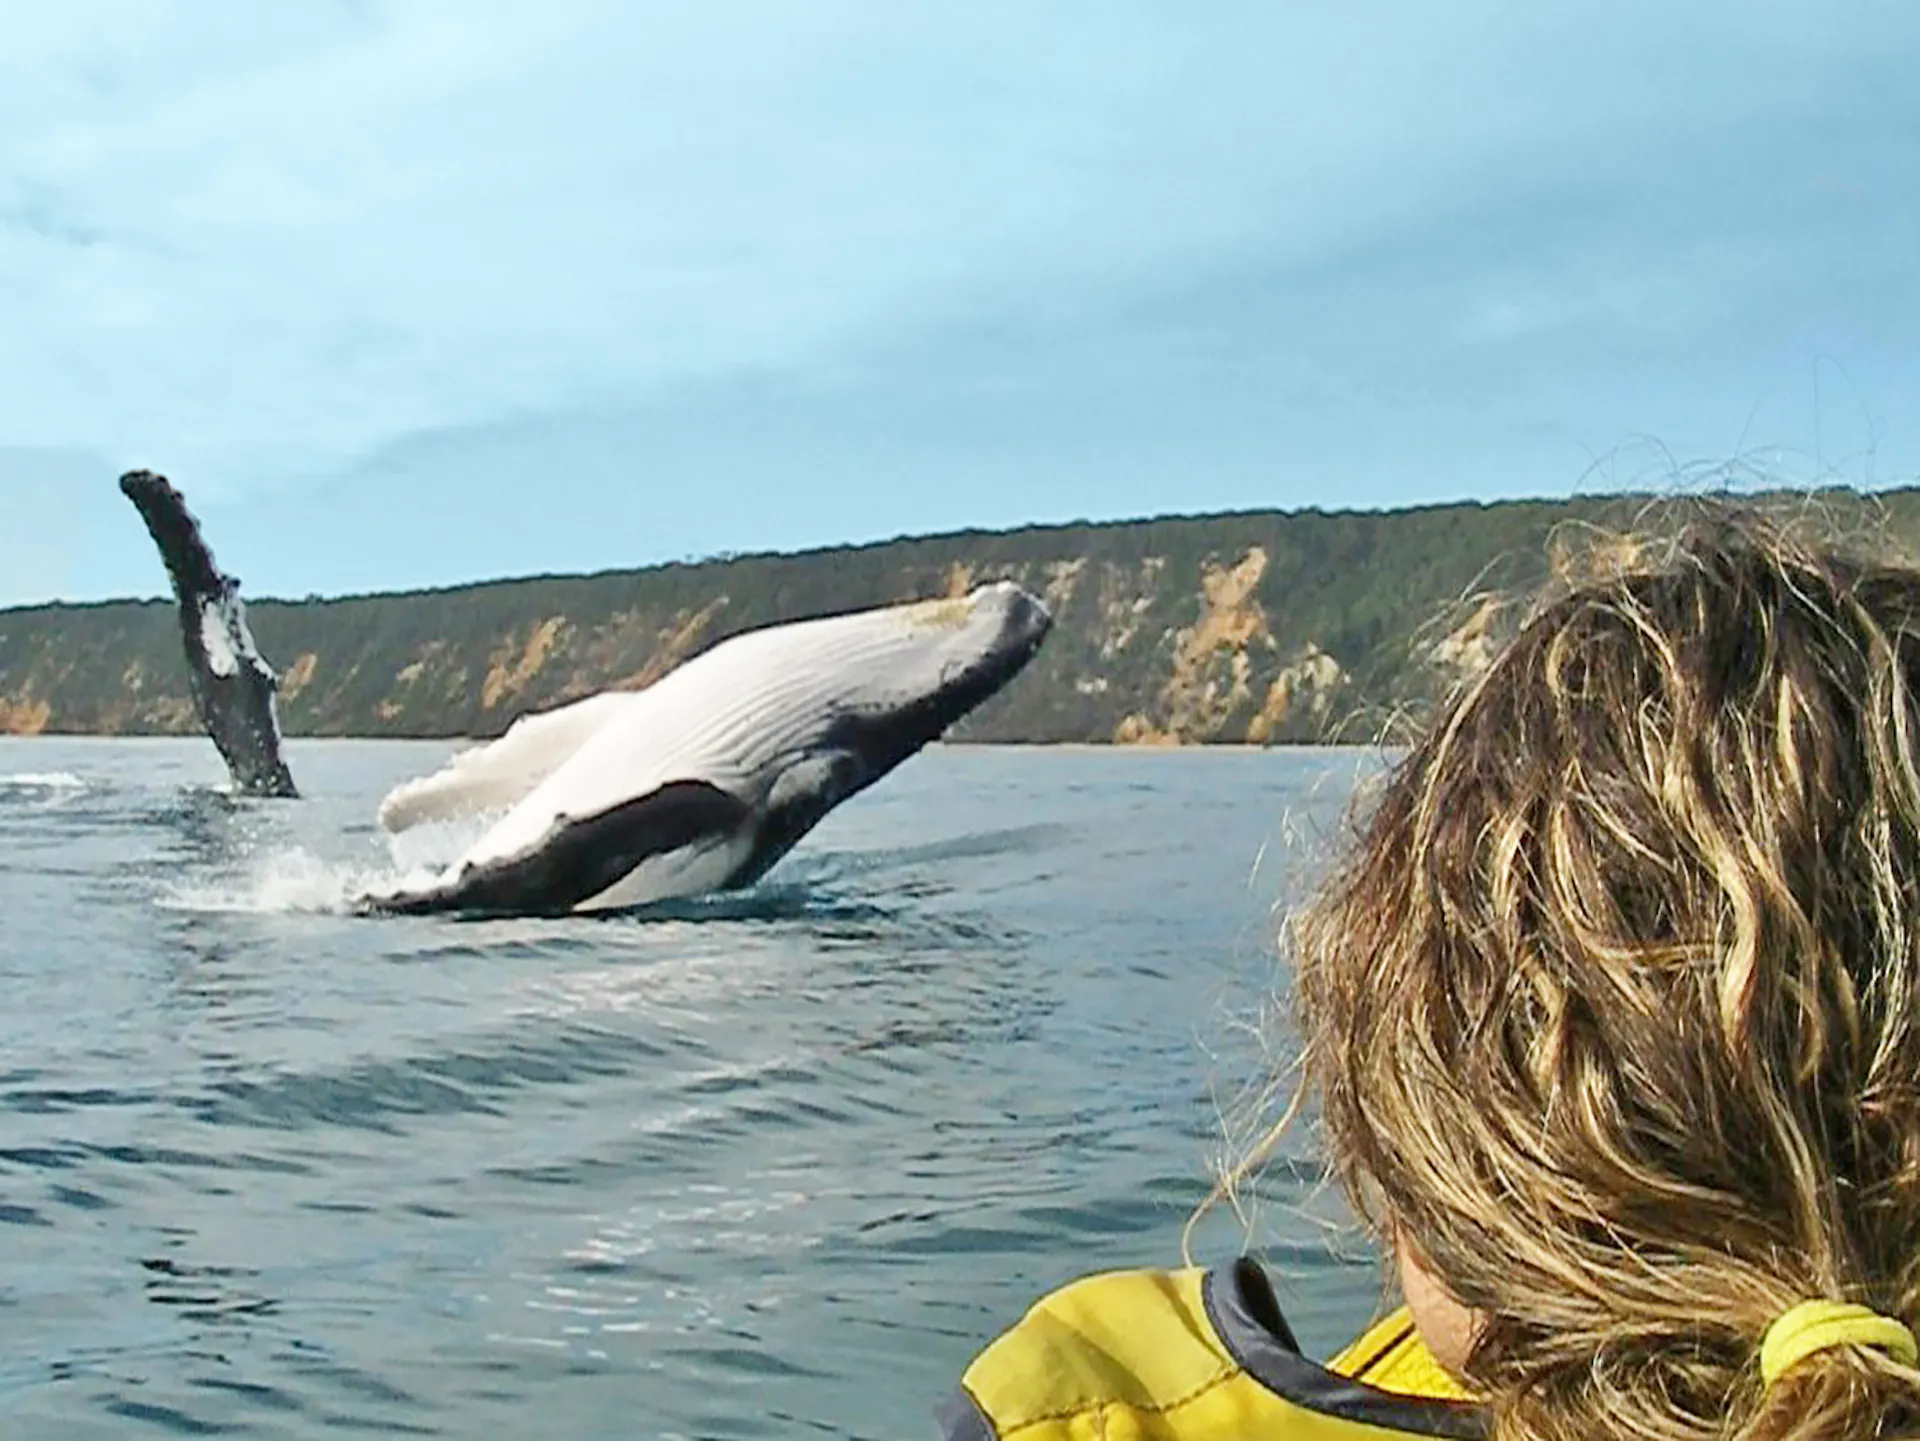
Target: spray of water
42,781
284,876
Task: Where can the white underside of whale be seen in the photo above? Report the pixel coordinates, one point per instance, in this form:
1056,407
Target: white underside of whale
690,871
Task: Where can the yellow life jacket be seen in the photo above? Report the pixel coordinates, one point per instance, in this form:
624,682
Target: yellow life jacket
1198,1355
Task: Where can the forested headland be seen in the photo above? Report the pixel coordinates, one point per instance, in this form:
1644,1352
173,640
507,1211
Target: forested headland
1253,628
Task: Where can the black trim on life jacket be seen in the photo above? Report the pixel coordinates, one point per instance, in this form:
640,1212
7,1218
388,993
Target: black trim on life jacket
1245,1314
961,1418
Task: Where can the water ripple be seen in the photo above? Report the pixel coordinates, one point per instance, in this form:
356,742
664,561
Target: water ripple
770,1163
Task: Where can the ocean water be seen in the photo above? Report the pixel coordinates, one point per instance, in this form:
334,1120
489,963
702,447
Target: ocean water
774,1164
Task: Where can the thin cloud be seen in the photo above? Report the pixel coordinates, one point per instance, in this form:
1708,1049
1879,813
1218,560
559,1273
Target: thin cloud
307,245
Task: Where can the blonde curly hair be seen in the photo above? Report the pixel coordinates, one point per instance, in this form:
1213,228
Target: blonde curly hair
1614,1011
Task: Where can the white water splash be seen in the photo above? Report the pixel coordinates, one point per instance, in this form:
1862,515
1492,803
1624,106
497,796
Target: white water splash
292,879
278,882
432,846
42,781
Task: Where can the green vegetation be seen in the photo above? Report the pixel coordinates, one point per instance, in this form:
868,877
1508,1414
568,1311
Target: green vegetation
1302,626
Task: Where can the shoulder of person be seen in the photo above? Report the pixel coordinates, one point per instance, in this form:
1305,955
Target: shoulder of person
1181,1355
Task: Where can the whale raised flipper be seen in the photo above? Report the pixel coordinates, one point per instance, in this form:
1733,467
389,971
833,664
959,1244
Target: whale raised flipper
500,772
233,685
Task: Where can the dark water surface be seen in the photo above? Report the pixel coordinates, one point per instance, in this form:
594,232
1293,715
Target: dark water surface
772,1165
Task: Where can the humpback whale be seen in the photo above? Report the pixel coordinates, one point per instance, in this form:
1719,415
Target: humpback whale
233,686
706,778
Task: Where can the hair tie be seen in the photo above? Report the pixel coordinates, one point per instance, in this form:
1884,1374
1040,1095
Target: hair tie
1812,1326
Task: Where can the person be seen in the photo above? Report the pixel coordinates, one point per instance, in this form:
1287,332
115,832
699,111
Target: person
1612,1015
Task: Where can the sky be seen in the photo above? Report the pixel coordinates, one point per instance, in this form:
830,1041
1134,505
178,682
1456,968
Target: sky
417,292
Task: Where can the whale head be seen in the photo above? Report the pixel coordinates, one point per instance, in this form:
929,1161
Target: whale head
928,664
882,685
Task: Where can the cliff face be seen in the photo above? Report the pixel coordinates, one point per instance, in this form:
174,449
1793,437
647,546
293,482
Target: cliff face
1252,628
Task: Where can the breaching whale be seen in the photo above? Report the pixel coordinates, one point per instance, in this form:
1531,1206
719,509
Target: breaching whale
233,686
706,778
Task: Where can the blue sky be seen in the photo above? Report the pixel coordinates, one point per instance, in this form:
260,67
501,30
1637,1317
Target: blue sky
412,293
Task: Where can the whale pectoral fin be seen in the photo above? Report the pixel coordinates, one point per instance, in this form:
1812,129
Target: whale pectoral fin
232,685
502,772
579,858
